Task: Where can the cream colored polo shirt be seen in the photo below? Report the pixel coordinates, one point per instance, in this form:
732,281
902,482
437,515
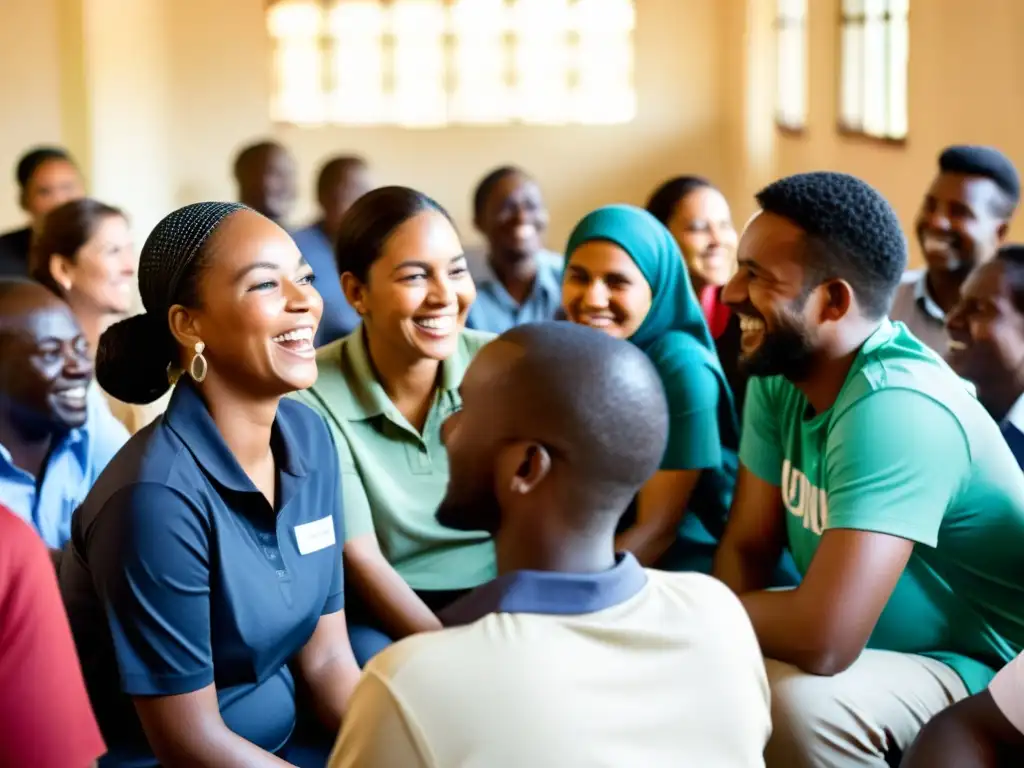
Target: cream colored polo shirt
393,477
628,668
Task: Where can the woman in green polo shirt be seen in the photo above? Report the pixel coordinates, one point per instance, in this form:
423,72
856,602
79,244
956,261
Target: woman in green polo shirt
385,391
626,276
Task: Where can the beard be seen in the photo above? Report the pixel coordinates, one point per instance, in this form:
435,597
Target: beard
785,351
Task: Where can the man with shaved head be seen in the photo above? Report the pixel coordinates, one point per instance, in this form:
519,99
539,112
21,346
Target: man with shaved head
574,655
52,445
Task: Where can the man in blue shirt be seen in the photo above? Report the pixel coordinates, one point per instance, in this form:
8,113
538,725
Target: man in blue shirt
517,280
50,450
341,182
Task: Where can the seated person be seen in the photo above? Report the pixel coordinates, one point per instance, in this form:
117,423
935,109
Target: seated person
341,182
265,174
47,178
573,656
204,568
45,717
517,280
84,253
626,277
874,462
54,439
986,340
698,216
964,218
385,391
985,730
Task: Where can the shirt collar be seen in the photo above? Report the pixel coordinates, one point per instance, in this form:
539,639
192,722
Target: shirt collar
1015,415
924,299
74,441
188,417
550,593
548,279
361,396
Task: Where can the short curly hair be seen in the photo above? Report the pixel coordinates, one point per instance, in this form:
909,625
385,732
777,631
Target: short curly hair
989,163
852,233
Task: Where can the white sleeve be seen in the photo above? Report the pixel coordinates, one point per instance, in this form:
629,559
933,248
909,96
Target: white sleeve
1007,688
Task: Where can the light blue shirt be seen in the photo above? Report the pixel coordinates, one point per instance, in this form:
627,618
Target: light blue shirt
339,319
75,462
496,311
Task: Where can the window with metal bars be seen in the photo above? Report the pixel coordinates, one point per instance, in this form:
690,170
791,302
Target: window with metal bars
432,63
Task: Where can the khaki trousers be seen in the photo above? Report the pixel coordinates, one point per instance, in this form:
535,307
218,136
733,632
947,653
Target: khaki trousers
865,716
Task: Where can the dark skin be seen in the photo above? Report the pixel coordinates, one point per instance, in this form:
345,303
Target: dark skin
263,288
266,181
45,370
961,224
514,219
822,625
341,184
511,475
973,732
986,331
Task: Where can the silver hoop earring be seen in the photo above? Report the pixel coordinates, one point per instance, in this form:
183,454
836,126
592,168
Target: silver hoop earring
198,361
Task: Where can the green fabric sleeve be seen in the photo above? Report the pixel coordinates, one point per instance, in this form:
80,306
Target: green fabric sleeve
761,448
894,463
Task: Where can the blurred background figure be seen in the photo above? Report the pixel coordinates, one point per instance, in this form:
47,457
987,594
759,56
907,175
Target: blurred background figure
341,181
517,280
266,176
47,177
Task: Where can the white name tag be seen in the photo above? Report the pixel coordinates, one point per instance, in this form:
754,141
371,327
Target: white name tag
312,537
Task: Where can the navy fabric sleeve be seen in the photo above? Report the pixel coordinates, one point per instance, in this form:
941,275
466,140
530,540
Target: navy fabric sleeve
150,562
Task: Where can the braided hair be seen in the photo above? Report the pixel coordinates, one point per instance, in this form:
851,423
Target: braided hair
134,354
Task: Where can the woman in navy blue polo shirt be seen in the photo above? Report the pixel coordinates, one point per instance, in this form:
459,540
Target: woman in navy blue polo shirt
205,565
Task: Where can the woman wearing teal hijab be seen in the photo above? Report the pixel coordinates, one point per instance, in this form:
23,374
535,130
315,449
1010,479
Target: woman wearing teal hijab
625,276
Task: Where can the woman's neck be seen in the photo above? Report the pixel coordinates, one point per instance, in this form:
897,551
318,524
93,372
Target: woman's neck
409,384
244,422
28,452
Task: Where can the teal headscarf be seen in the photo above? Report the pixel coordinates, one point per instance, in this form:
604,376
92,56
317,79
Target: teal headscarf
674,335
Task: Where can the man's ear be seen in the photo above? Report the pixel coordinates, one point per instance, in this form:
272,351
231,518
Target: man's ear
526,464
838,299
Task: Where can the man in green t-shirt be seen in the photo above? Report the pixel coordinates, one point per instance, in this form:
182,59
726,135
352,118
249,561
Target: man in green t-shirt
866,456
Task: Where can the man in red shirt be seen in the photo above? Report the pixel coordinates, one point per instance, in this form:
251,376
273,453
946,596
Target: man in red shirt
45,717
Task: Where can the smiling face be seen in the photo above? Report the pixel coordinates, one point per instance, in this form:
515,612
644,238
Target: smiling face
702,225
258,310
770,294
514,217
45,369
604,288
417,292
958,226
100,278
986,329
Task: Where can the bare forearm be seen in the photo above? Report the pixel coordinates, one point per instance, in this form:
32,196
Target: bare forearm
744,571
787,633
216,748
393,602
331,690
647,541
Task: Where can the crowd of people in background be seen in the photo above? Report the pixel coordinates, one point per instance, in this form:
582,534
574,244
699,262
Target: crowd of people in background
354,495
